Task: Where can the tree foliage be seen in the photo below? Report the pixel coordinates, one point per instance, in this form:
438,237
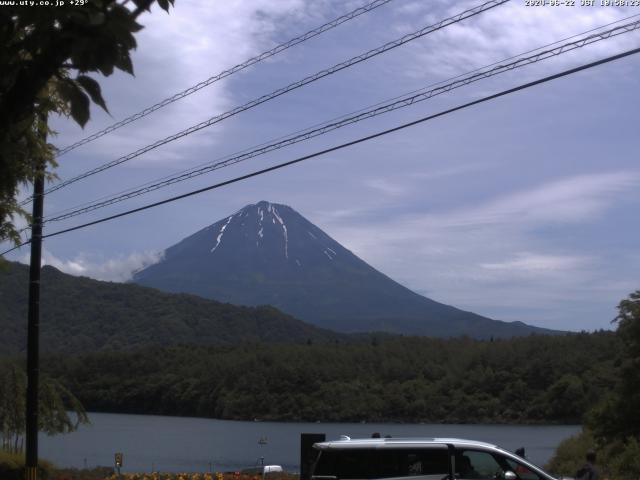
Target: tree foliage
613,424
615,459
80,315
55,404
12,467
536,379
618,415
40,47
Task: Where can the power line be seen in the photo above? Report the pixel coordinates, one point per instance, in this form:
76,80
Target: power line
281,91
226,73
335,119
348,120
343,145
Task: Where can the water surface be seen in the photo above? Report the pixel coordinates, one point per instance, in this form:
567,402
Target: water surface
177,444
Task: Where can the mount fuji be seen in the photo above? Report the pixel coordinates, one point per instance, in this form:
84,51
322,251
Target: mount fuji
268,254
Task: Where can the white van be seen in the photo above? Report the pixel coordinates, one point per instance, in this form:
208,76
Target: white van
419,459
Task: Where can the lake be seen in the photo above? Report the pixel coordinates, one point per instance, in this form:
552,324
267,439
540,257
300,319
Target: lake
177,444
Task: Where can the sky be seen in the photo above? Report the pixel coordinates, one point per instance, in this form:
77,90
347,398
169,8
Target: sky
522,208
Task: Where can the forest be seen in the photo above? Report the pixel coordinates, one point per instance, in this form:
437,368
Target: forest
535,379
83,315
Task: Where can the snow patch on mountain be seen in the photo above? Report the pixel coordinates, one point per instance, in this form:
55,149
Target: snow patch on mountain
219,238
284,231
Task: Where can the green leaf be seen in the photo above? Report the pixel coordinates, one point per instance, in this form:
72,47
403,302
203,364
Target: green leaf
144,4
93,89
80,107
135,26
105,68
79,102
123,62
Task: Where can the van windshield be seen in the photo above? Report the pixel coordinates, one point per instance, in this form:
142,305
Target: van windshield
387,463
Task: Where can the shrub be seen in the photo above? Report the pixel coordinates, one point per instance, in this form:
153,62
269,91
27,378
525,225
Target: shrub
97,473
12,467
618,460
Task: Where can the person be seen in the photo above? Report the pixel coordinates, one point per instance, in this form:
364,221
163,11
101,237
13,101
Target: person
520,469
588,470
465,467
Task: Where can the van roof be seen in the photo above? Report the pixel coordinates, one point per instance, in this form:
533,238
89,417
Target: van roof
375,443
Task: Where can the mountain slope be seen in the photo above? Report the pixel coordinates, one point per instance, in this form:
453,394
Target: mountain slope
269,254
83,315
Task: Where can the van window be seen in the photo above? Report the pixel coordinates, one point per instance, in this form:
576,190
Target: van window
349,463
474,464
383,463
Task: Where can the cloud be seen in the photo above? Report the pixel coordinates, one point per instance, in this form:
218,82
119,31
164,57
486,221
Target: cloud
196,40
385,186
502,32
454,170
403,183
574,199
118,269
528,262
579,198
494,256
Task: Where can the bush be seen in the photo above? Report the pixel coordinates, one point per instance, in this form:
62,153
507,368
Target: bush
97,473
618,460
12,467
569,455
625,460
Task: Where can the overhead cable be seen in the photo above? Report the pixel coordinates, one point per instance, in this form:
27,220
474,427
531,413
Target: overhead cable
281,91
344,145
333,120
226,73
380,109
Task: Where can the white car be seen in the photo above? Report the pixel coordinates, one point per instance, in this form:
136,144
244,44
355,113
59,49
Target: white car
263,470
420,459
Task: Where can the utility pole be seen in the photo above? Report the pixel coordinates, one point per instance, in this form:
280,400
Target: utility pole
33,325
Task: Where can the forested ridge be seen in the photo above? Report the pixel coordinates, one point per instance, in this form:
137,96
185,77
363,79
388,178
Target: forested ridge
83,315
536,379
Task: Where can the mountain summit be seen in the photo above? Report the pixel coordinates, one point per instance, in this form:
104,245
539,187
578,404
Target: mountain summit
268,253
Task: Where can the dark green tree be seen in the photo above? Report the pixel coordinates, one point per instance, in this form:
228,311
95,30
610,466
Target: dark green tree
41,47
629,330
618,417
613,425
